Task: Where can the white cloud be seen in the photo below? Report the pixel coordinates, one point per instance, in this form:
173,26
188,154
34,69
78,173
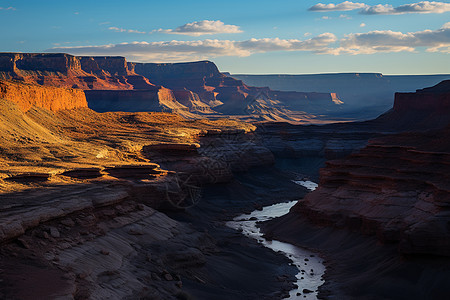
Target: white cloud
345,17
193,50
386,9
125,30
7,8
202,28
344,6
392,41
326,18
378,41
362,25
419,7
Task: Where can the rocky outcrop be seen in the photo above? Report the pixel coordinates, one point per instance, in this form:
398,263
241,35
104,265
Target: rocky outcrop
435,99
156,99
228,95
365,95
51,98
393,188
397,186
64,70
425,109
193,102
193,75
199,86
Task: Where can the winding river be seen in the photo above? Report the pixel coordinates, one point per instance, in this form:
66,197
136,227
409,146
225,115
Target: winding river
309,264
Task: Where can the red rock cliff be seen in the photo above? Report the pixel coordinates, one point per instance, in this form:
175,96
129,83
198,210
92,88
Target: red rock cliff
52,98
397,187
64,70
436,98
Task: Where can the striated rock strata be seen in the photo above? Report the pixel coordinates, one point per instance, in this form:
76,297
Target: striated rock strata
51,98
397,187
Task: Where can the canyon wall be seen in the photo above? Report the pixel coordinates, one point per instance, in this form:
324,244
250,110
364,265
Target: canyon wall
367,94
397,186
51,98
228,95
64,70
199,86
436,98
158,99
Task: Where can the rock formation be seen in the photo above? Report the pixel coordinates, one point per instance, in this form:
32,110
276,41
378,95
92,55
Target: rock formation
228,95
397,186
51,98
365,95
80,191
190,89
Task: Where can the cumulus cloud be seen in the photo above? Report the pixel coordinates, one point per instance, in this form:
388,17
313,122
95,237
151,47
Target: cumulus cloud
393,41
378,41
344,6
386,9
193,50
203,28
362,25
424,7
125,30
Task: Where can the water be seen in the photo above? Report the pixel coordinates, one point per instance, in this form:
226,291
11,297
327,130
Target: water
309,264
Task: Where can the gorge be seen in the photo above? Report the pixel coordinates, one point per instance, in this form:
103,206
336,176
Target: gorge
117,180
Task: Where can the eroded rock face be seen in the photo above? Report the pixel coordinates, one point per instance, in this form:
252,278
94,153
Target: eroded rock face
436,98
395,188
51,98
64,70
227,94
197,87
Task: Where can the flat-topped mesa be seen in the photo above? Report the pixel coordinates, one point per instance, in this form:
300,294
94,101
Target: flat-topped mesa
178,75
51,98
436,98
65,70
51,62
425,109
114,65
396,188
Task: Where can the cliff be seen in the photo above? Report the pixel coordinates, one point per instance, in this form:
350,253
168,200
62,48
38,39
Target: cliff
425,109
435,99
199,86
363,94
51,98
178,75
228,95
64,70
157,100
397,187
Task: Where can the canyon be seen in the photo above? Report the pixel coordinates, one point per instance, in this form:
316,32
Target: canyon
117,180
188,89
389,198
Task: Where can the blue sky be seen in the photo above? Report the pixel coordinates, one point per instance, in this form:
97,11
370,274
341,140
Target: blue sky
246,36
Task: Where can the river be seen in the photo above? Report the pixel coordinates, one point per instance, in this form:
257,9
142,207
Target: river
309,264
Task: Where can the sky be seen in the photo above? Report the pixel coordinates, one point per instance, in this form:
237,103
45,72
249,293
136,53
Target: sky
241,37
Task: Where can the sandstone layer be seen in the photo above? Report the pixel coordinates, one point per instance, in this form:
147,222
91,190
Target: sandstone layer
190,89
79,195
51,98
397,186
